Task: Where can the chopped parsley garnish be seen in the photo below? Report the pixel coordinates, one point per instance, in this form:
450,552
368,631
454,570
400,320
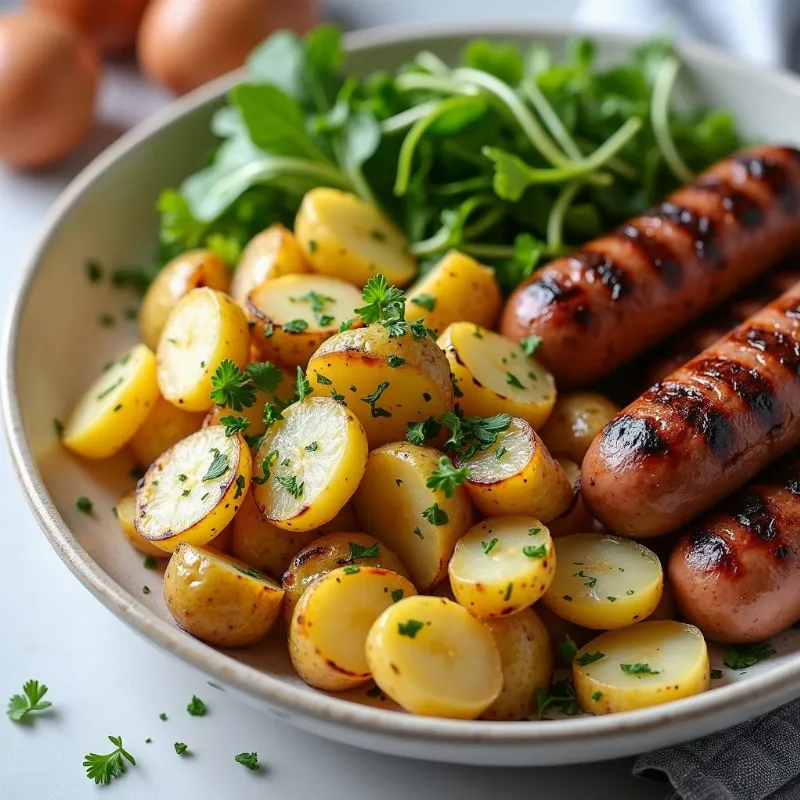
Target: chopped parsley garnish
162,716
271,414
418,532
426,301
30,701
395,361
589,658
535,552
186,492
529,344
436,515
397,595
500,452
639,669
373,398
150,562
303,386
94,272
269,330
323,380
102,768
296,326
312,246
351,570
410,628
145,590
468,435
218,467
339,398
107,321
382,303
250,571
487,547
106,392
317,303
231,387
233,425
447,477
196,707
421,432
513,380
84,504
312,447
58,426
561,696
240,484
597,696
567,650
591,581
265,376
346,324
509,590
289,482
741,656
249,760
180,748
359,551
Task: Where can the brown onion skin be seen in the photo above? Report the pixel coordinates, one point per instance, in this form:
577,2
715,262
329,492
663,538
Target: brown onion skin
49,75
183,44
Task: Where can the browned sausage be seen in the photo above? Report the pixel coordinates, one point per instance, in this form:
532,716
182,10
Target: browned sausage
736,572
705,430
619,295
675,353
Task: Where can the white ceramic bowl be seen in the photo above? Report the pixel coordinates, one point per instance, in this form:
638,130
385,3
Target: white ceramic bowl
53,346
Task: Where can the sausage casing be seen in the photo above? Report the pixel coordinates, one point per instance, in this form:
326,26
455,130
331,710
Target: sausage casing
704,431
619,295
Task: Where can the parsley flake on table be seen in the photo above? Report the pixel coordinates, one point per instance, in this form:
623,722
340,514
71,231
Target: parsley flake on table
30,701
180,748
447,477
741,656
249,760
196,707
102,768
435,515
231,387
218,467
410,628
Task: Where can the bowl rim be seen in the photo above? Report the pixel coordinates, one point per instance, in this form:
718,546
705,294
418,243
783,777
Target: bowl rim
759,691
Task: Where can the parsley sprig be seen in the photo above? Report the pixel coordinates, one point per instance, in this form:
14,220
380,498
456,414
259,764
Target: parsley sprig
20,705
232,387
468,435
447,477
102,768
386,305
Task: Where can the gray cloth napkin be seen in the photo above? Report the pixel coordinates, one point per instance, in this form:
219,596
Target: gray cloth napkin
760,759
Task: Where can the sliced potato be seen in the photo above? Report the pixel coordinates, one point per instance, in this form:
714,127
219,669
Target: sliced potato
219,599
345,520
269,254
603,581
190,270
293,315
640,666
388,383
494,376
341,235
527,658
456,289
328,553
328,632
203,330
257,542
124,511
420,524
309,464
114,406
518,476
192,492
576,419
165,426
502,566
434,658
577,517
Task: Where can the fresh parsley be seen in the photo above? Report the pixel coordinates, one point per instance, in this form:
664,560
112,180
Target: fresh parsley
487,547
289,482
265,376
372,399
180,748
422,432
219,465
20,705
530,344
249,760
513,380
303,386
397,595
84,504
360,551
410,628
395,361
426,301
446,477
741,656
589,658
231,387
468,435
295,326
561,696
639,669
566,651
535,552
234,425
240,486
196,707
435,515
103,768
271,414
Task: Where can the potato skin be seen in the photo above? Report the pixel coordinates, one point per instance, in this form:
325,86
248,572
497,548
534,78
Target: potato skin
527,658
576,418
164,427
463,291
328,553
124,511
190,270
576,519
212,597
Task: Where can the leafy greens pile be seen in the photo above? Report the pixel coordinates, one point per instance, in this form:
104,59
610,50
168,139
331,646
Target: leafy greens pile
511,157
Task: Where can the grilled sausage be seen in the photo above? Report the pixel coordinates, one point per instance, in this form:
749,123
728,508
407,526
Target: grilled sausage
704,431
659,364
736,572
619,295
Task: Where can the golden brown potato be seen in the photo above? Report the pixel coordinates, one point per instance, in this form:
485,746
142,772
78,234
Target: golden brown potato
124,511
576,419
164,427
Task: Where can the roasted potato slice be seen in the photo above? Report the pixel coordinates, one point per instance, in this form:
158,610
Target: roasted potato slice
343,236
457,289
640,666
517,476
114,406
328,632
309,464
603,581
576,419
494,376
434,658
330,552
190,270
164,427
204,329
192,492
270,254
293,315
576,518
527,658
125,510
219,599
388,383
422,525
502,566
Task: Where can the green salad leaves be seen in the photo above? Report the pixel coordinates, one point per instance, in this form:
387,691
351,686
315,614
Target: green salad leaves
513,157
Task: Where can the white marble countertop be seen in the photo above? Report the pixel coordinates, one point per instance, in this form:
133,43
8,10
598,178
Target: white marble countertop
105,680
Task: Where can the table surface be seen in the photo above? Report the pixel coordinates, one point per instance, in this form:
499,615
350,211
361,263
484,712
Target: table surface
105,680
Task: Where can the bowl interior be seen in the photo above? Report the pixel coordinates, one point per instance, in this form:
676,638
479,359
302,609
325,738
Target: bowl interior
57,343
